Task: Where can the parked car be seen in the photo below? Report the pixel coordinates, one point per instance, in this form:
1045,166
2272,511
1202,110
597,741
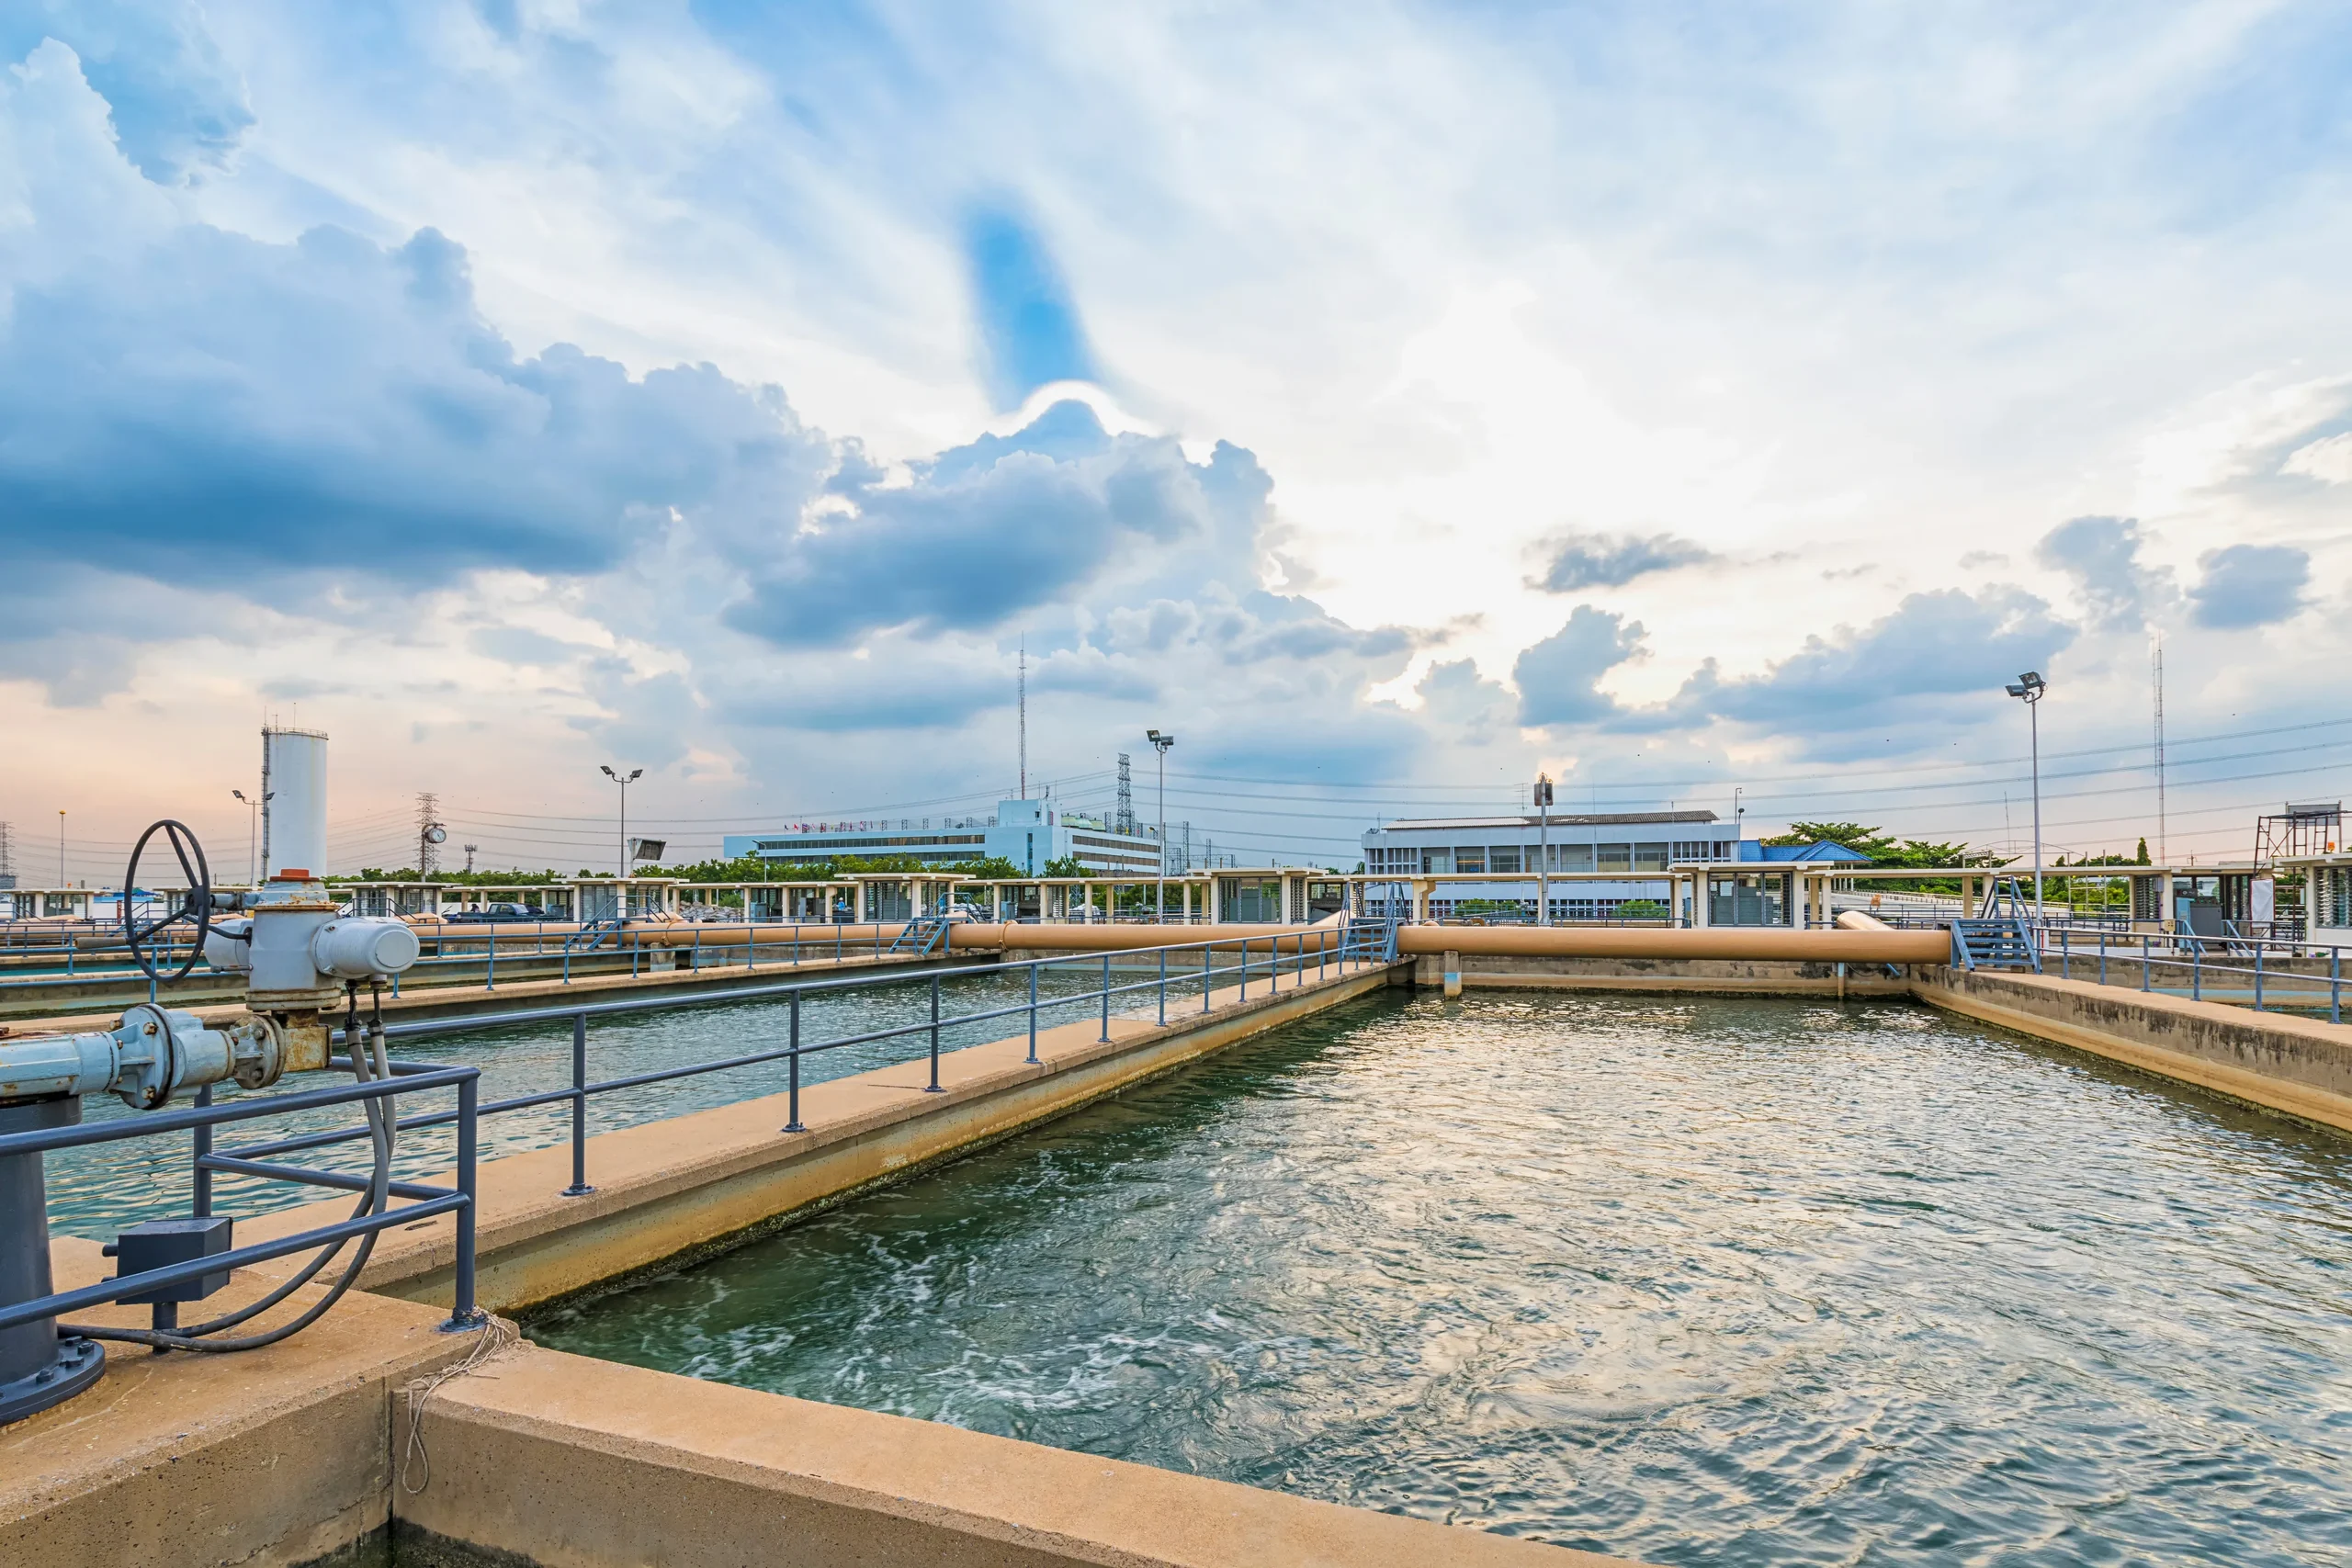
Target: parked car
493,912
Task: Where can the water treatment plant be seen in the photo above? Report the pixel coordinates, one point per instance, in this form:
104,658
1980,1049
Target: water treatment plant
1263,785
1322,1222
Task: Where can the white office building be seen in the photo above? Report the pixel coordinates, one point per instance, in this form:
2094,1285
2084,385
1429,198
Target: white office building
1029,833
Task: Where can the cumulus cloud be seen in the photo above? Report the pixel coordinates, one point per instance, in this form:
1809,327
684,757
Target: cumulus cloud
1579,561
2102,555
1906,666
1558,678
2249,586
177,106
186,401
992,528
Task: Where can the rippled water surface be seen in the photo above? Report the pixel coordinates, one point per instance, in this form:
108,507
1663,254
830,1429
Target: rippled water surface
1715,1282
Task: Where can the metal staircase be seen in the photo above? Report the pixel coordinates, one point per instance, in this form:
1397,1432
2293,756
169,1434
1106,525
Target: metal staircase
1371,941
592,935
922,937
2006,942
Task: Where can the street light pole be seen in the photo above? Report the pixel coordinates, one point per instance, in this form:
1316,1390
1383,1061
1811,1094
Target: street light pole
2029,688
1160,743
1543,848
60,849
635,774
252,833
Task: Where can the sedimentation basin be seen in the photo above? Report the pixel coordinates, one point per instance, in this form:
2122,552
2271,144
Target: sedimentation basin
1694,1280
696,1185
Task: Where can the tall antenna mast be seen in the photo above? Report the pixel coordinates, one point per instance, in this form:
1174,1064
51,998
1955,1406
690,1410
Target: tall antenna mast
1126,819
1024,717
2156,665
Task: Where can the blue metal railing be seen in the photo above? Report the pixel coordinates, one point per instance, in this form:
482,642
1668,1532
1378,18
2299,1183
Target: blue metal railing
424,1201
1266,962
1272,963
2268,972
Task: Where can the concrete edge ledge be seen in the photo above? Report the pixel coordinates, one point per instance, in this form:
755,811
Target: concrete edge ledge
274,1456
2275,1062
570,1462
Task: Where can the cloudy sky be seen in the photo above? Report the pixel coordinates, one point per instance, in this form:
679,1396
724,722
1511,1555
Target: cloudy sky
1391,401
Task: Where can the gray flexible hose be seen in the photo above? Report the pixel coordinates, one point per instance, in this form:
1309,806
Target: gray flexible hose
197,1336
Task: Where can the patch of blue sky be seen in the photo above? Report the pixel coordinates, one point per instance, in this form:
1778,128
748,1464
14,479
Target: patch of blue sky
1030,335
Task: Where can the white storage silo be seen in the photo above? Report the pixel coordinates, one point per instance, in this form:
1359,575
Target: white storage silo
294,801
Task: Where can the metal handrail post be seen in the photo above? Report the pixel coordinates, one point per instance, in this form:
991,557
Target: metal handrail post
1033,1014
1163,987
2195,971
463,1314
2145,983
2065,955
579,1188
793,1062
2336,985
203,1139
2258,946
490,981
1208,972
2103,955
1245,969
1106,997
933,1088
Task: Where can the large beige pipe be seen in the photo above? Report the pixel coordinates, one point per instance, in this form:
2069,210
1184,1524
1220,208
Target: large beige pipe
1883,946
1011,937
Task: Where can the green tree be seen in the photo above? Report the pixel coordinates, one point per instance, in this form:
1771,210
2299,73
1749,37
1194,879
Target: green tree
1066,865
987,868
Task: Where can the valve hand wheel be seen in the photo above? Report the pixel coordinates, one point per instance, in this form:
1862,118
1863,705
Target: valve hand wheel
196,909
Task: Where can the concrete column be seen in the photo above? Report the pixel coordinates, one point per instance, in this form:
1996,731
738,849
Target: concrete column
1453,973
857,902
1422,887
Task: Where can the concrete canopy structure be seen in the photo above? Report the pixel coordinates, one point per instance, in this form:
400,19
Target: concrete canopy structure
1607,860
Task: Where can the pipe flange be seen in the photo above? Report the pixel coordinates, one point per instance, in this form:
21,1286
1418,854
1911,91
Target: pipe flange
76,1364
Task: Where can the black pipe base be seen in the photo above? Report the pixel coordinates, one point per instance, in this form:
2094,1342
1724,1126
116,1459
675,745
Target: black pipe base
74,1367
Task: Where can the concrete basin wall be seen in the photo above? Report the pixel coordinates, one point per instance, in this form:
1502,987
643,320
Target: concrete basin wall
561,1461
2298,1065
1717,977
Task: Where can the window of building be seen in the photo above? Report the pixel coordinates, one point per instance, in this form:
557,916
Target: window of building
1616,857
1254,899
1748,898
1571,857
1437,862
1502,857
1469,857
1649,857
